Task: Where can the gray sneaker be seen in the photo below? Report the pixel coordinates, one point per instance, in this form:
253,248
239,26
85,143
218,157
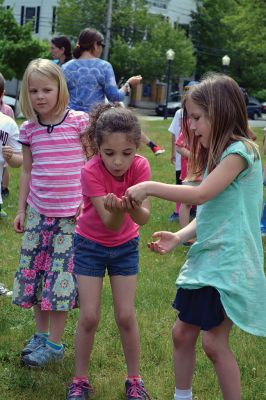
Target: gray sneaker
42,356
33,344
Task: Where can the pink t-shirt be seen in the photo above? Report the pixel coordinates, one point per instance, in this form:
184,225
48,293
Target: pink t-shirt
96,181
57,159
181,142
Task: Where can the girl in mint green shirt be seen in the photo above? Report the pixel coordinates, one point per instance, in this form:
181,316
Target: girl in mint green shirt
222,281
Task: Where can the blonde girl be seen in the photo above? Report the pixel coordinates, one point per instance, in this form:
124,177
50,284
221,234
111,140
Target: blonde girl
222,281
50,194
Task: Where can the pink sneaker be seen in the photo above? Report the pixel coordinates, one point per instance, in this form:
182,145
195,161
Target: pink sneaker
80,391
135,390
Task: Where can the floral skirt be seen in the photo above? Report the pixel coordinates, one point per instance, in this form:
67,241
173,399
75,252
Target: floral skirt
45,272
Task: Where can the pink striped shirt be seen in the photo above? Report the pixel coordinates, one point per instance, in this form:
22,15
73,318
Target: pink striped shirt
57,158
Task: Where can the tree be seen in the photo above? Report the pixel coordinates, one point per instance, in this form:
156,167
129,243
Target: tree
75,15
148,57
17,45
139,40
210,34
248,44
236,28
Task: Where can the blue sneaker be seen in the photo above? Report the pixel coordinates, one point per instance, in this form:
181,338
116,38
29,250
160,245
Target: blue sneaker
173,217
42,356
80,391
135,390
33,344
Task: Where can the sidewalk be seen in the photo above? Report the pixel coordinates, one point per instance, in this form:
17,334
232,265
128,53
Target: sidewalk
146,108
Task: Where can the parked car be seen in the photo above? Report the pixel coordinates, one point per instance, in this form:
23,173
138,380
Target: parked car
254,108
263,105
173,104
11,101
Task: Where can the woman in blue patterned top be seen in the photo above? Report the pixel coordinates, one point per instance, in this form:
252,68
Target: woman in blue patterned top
90,79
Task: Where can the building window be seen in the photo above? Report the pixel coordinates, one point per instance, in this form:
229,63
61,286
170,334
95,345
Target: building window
31,14
158,3
54,20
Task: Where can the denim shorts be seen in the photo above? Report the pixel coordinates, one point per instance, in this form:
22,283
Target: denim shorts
93,259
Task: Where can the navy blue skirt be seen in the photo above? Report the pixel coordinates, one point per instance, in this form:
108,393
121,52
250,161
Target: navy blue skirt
201,307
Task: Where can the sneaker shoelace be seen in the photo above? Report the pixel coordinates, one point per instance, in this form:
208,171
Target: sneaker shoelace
136,390
76,389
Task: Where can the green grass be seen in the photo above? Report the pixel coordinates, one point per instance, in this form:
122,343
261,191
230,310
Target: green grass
156,290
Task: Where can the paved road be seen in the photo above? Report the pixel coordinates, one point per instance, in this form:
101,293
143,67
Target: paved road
259,123
147,116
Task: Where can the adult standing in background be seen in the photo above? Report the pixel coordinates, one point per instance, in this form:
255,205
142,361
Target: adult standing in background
91,80
60,49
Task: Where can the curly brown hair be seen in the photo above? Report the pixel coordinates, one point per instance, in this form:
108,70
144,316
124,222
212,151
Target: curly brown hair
106,119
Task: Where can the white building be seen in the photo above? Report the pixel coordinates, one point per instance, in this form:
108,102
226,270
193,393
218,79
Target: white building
176,11
44,13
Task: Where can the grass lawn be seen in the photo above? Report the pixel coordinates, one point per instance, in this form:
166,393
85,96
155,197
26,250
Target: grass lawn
156,290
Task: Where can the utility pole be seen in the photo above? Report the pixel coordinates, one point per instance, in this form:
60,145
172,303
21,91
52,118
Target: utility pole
108,30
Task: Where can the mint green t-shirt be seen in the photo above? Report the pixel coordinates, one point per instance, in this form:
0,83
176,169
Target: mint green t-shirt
228,253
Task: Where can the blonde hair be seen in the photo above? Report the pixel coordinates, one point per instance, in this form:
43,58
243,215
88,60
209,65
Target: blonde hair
224,105
53,72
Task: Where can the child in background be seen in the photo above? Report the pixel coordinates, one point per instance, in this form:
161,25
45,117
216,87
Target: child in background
10,149
107,236
182,148
223,280
175,129
7,110
50,191
4,108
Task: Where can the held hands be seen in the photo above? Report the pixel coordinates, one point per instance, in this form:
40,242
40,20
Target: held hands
166,242
137,193
112,203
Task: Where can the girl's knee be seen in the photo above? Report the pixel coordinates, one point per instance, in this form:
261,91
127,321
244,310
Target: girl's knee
89,322
183,336
125,319
210,347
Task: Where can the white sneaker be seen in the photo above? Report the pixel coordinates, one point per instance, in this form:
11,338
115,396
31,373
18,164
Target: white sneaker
4,291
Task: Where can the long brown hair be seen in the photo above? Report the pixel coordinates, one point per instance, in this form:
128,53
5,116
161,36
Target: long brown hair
223,102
